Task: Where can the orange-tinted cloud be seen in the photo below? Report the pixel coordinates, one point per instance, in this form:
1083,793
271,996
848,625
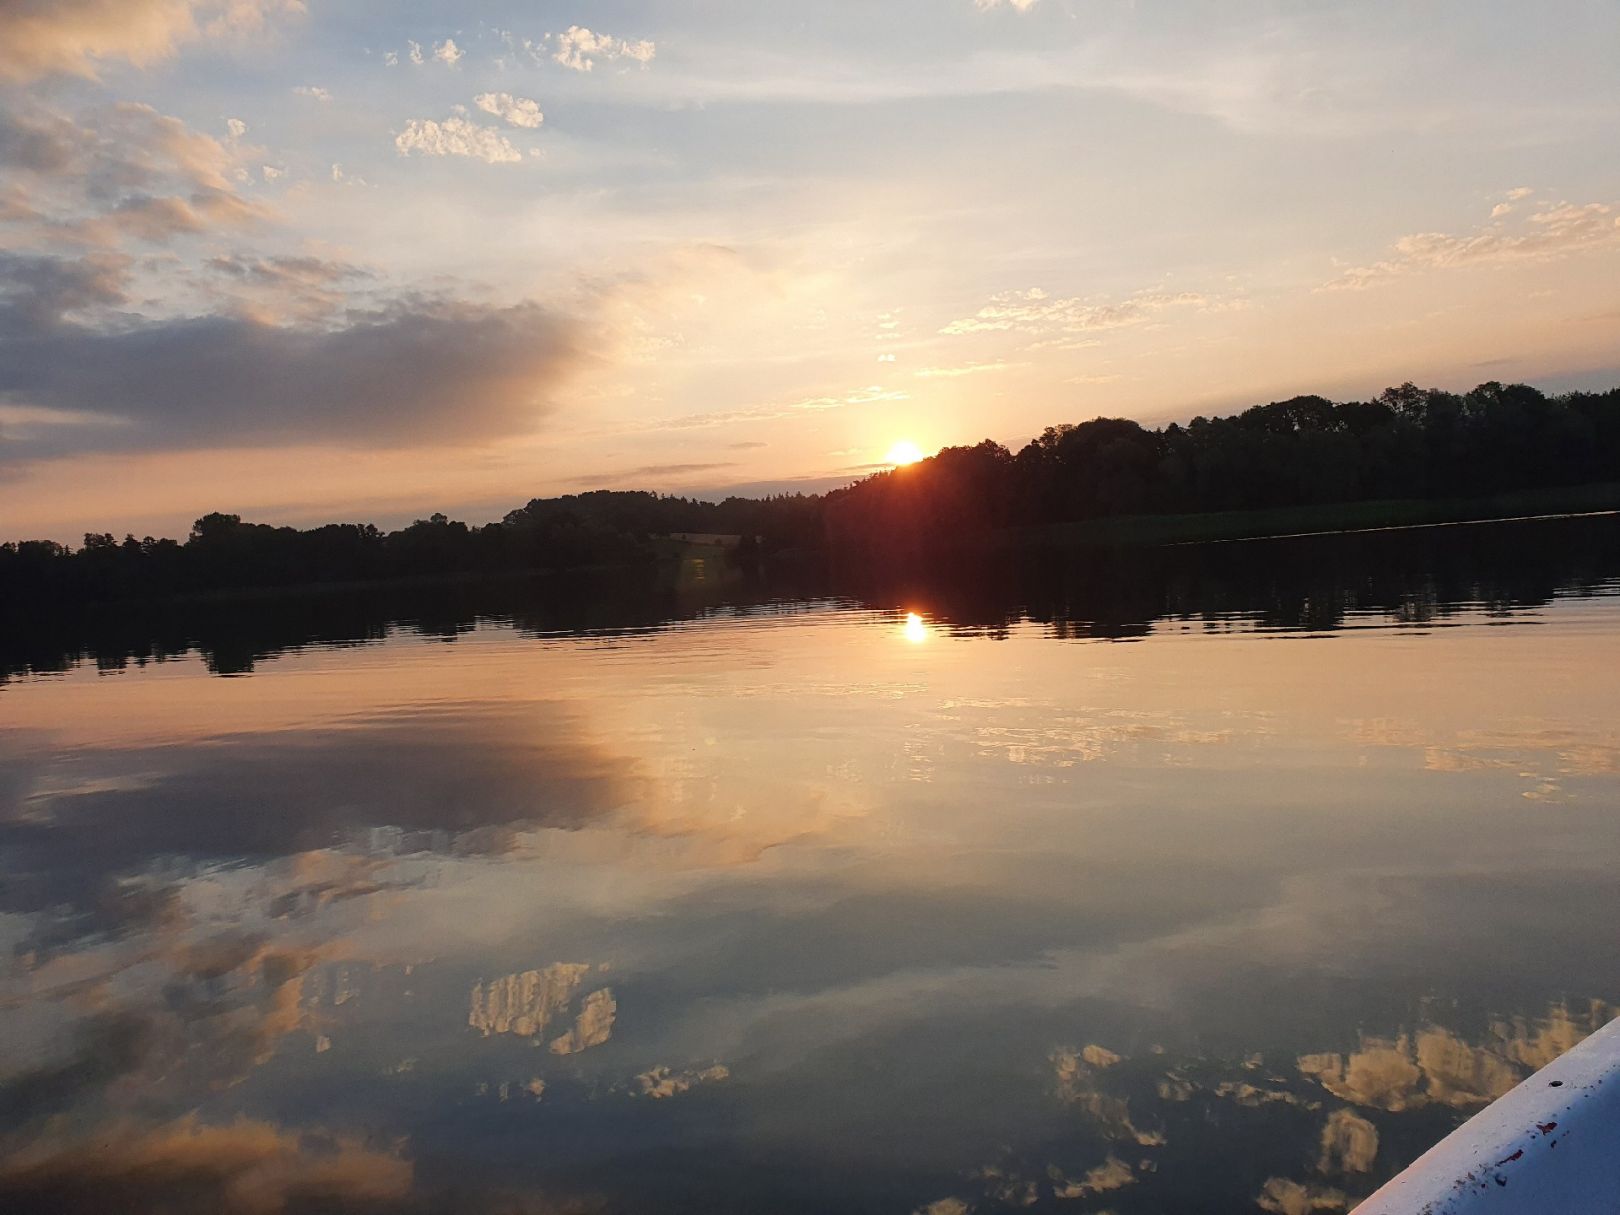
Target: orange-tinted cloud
242,1168
42,37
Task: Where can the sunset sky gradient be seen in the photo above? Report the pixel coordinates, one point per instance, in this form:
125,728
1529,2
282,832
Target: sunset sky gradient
310,260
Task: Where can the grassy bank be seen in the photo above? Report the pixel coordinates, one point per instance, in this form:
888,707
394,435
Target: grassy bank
1324,517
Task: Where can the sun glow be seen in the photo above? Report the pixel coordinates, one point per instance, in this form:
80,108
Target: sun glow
914,630
904,451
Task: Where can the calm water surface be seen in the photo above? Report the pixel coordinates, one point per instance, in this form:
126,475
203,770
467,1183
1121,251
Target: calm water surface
979,900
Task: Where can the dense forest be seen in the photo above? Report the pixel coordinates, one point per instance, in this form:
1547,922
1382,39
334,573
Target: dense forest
1408,443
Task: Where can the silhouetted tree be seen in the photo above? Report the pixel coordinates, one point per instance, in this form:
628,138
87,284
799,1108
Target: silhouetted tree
1409,442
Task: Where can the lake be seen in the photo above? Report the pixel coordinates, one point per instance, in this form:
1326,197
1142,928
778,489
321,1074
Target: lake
1216,879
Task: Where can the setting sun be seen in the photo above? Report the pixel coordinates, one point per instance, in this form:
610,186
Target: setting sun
904,451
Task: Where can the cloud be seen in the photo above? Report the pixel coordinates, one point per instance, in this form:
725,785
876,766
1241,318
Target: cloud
456,136
36,291
660,1082
275,289
446,52
869,395
463,780
933,373
123,172
1349,1144
525,1002
75,37
645,472
1552,231
122,147
159,219
1022,6
236,127
1035,312
1112,1174
313,91
592,1027
578,48
284,269
518,111
106,1047
1283,1196
241,1168
413,370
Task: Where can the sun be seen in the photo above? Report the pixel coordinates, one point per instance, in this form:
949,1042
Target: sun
904,451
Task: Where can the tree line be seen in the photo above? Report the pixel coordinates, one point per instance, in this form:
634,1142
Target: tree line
1409,443
224,552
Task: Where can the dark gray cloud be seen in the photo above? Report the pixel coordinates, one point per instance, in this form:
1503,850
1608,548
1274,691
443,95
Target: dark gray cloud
107,1047
417,369
446,779
272,350
37,292
286,269
36,144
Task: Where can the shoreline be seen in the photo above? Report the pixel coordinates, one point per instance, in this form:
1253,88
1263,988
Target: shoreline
1325,519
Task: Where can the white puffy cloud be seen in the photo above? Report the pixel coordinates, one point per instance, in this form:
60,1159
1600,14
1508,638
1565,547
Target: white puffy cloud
314,92
579,48
1516,195
518,111
43,37
446,52
456,136
1552,231
236,127
1022,6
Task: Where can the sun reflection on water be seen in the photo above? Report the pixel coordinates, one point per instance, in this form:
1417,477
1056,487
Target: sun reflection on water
914,630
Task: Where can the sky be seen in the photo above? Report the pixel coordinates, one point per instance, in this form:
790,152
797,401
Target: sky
305,260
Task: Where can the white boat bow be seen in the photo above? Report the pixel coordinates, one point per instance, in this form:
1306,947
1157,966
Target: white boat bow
1549,1147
